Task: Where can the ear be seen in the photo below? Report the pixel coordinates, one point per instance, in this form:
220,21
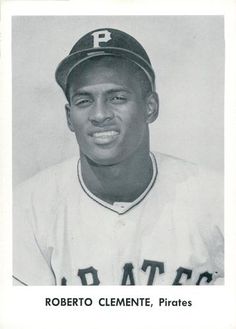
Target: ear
152,102
68,117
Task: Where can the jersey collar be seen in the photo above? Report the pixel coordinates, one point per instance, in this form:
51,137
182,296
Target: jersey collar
120,207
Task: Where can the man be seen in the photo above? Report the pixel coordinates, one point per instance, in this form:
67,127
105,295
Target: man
121,215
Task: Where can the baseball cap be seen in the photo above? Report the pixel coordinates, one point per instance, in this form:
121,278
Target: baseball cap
104,42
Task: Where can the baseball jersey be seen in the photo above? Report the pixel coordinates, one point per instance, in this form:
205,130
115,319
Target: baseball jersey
171,235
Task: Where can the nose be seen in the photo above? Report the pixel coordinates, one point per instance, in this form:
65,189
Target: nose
101,112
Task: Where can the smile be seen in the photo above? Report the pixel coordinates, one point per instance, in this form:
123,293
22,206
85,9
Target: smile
105,137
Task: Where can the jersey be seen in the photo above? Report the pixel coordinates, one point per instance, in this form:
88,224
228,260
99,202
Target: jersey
171,235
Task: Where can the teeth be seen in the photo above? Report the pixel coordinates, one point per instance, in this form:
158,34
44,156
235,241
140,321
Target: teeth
104,134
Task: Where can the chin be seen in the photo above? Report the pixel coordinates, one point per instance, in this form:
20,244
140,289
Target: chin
102,161
108,158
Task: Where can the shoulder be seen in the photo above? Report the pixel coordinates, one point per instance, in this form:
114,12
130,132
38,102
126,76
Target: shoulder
183,170
39,201
47,183
170,165
192,186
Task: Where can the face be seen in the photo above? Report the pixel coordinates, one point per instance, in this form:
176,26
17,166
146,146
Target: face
108,112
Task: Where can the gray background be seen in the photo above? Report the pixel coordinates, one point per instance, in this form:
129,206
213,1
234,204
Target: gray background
187,53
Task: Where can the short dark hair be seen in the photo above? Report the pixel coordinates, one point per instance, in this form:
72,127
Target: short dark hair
138,72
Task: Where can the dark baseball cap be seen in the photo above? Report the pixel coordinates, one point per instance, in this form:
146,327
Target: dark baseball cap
104,42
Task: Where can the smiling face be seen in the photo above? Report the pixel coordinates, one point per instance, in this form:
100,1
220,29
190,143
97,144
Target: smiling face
108,111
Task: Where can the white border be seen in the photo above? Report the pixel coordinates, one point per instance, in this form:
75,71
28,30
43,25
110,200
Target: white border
213,307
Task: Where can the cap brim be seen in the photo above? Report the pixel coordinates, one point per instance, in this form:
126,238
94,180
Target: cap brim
68,64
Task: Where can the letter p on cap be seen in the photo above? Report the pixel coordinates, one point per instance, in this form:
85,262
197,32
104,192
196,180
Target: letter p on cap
100,36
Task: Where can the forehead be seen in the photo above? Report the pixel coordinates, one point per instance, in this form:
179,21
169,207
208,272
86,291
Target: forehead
106,69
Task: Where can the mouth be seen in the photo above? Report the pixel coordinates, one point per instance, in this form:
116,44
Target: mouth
105,137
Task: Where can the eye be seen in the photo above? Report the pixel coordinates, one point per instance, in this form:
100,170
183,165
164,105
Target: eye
83,102
118,99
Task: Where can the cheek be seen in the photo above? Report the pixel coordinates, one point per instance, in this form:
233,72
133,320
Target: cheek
136,118
77,120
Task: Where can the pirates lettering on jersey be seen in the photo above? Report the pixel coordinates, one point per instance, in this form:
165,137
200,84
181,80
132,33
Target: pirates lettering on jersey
89,275
153,266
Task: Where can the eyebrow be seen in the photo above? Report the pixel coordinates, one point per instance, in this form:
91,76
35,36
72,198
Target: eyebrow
117,90
110,91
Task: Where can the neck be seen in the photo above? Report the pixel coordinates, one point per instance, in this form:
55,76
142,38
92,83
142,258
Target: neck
121,182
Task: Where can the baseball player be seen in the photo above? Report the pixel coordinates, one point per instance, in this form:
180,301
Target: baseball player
119,214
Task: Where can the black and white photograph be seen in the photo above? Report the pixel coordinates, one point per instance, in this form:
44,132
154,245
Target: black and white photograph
117,157
118,150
